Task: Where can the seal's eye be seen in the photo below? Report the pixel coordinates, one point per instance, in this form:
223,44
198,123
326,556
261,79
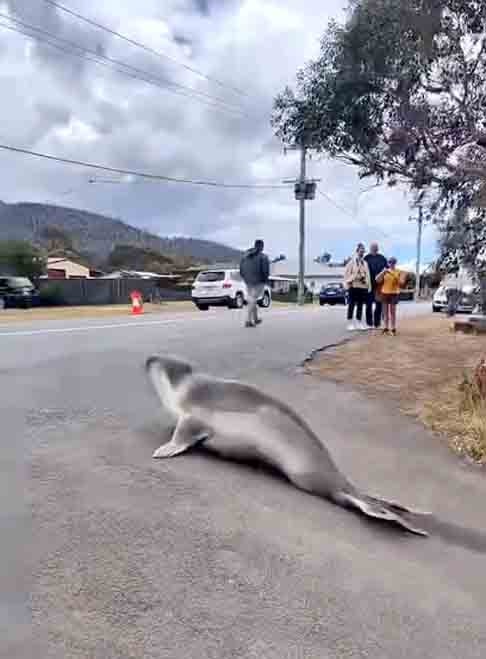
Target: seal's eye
176,371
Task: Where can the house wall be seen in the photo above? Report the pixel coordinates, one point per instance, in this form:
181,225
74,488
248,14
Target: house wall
56,273
278,286
318,280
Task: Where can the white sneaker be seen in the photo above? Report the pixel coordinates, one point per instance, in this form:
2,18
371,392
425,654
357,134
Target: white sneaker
362,327
351,327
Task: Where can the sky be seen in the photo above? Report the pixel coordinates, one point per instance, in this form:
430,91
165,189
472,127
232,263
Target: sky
225,60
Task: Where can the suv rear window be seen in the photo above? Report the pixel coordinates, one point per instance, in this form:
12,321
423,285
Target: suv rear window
20,282
211,276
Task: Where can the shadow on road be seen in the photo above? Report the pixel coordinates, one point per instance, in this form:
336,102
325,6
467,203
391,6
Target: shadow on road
454,534
451,533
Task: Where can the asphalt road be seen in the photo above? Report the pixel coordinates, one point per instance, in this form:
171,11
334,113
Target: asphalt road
108,554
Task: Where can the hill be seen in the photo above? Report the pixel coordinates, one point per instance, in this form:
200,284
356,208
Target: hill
97,235
143,258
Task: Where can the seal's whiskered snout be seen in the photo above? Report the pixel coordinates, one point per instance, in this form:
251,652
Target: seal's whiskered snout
173,368
155,374
151,361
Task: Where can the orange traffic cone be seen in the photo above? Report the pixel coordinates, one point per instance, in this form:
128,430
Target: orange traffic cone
137,303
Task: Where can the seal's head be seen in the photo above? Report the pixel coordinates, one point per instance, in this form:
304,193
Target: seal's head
173,368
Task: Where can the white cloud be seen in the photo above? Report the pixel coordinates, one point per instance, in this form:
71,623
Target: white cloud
411,266
59,104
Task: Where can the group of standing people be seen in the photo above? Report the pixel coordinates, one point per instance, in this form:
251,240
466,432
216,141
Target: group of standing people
373,283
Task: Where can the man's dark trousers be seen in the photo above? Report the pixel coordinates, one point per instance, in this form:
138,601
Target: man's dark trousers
373,316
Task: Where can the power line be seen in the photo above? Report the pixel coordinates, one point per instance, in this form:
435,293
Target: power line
349,213
101,63
154,177
335,203
138,74
12,28
138,44
113,181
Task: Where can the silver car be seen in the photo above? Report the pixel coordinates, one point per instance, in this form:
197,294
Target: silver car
463,301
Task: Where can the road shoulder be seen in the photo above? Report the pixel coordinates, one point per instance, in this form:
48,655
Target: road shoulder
89,312
426,372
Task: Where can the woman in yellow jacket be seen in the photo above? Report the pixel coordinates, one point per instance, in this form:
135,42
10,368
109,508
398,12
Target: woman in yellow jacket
391,280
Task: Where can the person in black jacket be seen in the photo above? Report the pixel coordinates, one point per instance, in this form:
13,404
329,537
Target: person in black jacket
255,272
376,263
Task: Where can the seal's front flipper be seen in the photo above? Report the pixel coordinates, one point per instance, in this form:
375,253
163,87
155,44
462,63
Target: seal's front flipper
379,509
187,434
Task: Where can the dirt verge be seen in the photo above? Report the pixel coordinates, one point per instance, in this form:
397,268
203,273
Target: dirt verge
94,312
426,371
87,312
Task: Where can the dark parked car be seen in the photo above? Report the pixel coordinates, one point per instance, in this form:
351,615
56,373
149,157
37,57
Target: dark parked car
17,292
332,294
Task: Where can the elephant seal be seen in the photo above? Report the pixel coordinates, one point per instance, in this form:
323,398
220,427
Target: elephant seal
239,422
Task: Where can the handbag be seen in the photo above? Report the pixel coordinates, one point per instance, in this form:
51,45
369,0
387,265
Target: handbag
379,292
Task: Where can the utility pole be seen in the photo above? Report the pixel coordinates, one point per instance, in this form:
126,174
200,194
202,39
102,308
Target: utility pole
301,289
305,189
420,223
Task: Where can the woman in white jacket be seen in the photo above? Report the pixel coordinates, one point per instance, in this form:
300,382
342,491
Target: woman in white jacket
357,280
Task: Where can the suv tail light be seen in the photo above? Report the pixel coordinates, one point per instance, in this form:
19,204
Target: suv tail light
227,285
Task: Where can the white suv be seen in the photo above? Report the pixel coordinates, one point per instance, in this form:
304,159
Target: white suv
224,288
439,301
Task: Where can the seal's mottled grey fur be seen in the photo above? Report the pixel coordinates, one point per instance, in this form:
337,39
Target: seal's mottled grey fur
239,422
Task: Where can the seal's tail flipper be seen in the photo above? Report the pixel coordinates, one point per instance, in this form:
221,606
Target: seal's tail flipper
379,509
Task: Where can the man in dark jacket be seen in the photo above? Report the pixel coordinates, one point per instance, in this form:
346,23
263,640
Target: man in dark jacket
376,263
255,272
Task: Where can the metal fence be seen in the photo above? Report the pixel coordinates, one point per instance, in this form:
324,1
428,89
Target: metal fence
107,291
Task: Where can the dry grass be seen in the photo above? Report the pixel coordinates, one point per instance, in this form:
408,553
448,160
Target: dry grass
91,312
460,413
427,371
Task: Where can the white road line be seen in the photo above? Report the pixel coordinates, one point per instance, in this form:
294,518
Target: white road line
146,323
86,328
